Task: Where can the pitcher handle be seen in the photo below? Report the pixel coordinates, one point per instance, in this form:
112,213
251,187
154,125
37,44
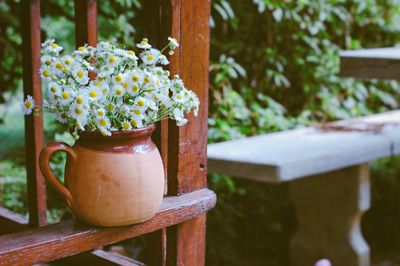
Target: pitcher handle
44,164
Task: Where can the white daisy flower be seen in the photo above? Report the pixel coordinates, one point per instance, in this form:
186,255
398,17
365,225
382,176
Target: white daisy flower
118,79
141,103
118,91
113,61
131,55
66,96
133,89
54,89
126,125
81,97
173,43
80,113
106,71
100,112
46,72
136,122
67,60
80,75
163,60
150,57
137,112
52,47
47,60
28,105
94,93
144,44
62,117
82,51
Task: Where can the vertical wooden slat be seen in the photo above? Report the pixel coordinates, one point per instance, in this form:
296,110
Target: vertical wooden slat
30,32
157,241
86,22
187,145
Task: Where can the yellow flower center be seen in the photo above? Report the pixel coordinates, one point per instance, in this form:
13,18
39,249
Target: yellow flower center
134,123
144,42
78,111
103,122
112,59
150,57
135,88
179,97
28,104
110,107
59,65
135,78
47,62
79,100
54,45
97,83
53,89
105,91
118,78
118,91
65,70
125,125
46,73
146,80
65,95
141,103
100,112
136,112
93,94
79,73
81,48
125,85
130,52
67,61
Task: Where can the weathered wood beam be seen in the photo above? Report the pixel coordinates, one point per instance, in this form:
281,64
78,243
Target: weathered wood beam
86,22
11,222
30,33
71,237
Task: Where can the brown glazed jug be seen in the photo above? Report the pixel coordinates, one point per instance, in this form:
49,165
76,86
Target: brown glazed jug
110,181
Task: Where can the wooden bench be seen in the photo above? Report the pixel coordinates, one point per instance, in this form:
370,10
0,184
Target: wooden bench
176,235
327,167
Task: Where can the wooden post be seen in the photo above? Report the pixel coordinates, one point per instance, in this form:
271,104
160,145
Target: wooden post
86,22
30,32
329,209
183,149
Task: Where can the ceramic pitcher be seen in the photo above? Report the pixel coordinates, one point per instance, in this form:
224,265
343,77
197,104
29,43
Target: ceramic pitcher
110,181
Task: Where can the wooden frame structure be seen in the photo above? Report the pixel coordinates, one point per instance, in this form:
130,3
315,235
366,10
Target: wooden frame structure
177,233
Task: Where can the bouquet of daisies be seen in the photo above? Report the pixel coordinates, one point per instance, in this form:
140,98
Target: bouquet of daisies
107,88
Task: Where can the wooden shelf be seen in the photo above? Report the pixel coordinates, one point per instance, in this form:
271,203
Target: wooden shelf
71,237
383,63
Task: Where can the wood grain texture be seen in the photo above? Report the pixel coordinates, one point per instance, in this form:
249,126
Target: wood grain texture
30,33
329,208
71,237
289,155
381,63
97,257
187,145
86,22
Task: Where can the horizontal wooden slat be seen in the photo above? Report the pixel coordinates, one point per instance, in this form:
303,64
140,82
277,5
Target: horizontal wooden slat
71,237
381,63
293,154
97,257
11,222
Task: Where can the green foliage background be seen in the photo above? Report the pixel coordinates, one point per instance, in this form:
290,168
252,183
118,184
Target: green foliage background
274,66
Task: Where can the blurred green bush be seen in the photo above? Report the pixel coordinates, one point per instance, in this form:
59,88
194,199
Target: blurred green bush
274,66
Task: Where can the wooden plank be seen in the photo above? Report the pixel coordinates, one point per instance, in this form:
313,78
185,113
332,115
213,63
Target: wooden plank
11,222
187,145
97,257
71,237
30,33
86,22
381,63
293,154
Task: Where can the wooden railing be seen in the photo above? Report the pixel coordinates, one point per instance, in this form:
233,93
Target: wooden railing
177,233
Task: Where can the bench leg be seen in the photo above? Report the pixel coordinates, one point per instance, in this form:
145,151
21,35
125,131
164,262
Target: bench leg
329,208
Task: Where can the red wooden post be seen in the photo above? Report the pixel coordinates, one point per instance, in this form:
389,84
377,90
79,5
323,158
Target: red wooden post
187,154
30,31
86,22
